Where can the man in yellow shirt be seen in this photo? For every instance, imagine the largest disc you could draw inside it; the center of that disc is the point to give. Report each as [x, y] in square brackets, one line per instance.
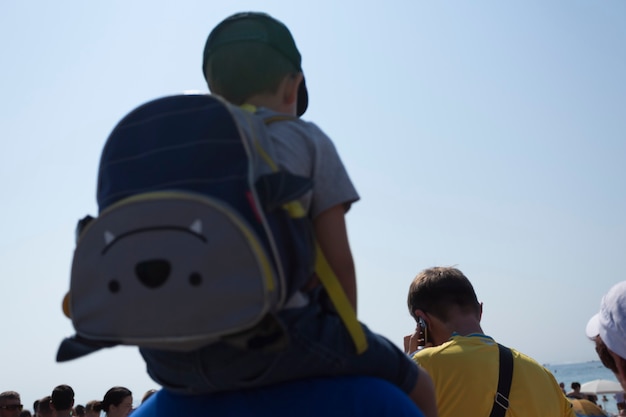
[464, 362]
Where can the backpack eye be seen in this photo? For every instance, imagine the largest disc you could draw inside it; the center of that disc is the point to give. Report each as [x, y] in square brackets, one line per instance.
[195, 279]
[114, 286]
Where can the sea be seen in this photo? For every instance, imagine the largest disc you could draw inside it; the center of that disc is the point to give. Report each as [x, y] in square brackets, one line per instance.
[583, 372]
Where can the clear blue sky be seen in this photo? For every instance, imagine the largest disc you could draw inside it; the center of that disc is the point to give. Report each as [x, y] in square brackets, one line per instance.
[488, 135]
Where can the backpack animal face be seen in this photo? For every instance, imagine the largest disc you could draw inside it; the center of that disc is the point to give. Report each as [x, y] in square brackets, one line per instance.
[197, 237]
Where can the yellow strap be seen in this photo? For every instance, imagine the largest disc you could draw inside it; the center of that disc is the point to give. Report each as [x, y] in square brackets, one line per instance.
[340, 300]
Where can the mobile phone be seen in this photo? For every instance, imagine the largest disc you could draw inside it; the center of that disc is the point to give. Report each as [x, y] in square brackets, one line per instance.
[423, 334]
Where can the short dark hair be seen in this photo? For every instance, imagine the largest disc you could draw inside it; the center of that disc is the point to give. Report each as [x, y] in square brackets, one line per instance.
[437, 290]
[44, 405]
[575, 385]
[148, 394]
[62, 397]
[10, 395]
[80, 410]
[91, 405]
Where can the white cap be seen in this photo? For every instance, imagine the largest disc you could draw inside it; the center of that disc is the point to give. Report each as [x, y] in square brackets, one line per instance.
[610, 322]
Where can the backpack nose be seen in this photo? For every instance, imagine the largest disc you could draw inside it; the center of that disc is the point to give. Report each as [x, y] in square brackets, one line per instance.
[153, 273]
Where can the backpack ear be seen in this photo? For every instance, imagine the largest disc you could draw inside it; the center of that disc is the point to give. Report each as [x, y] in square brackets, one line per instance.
[82, 225]
[65, 305]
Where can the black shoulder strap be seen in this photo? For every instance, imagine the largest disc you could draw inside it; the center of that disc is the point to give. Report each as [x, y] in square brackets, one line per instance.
[501, 402]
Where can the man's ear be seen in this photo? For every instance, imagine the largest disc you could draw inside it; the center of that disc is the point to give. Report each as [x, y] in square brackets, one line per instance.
[420, 313]
[620, 364]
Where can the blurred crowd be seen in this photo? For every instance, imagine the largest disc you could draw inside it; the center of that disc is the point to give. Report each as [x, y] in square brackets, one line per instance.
[117, 402]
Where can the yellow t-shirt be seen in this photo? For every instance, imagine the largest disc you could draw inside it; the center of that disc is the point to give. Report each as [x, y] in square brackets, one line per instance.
[465, 372]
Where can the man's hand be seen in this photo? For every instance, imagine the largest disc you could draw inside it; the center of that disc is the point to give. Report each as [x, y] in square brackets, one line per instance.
[416, 341]
[412, 341]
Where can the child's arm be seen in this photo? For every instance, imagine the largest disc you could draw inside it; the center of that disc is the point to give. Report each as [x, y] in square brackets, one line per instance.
[423, 394]
[332, 236]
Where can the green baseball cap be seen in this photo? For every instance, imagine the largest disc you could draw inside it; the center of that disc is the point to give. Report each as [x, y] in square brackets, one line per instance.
[258, 27]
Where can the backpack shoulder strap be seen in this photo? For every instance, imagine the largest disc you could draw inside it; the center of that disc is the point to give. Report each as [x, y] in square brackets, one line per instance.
[501, 401]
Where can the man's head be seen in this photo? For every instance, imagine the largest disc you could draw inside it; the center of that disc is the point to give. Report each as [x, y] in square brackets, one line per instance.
[147, 395]
[44, 409]
[10, 404]
[62, 398]
[440, 294]
[91, 409]
[79, 410]
[576, 386]
[440, 290]
[608, 330]
[251, 53]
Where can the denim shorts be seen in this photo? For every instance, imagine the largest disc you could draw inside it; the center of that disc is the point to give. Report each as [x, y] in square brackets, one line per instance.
[318, 346]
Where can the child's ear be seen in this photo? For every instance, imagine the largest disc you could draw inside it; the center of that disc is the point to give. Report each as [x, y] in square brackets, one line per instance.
[292, 82]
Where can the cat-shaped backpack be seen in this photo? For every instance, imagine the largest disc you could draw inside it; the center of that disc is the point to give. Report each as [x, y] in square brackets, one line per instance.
[199, 236]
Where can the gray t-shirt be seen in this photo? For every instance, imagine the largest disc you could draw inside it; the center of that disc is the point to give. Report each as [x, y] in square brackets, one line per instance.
[303, 149]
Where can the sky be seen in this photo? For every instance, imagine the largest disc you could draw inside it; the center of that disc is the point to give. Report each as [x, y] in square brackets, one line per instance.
[486, 135]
